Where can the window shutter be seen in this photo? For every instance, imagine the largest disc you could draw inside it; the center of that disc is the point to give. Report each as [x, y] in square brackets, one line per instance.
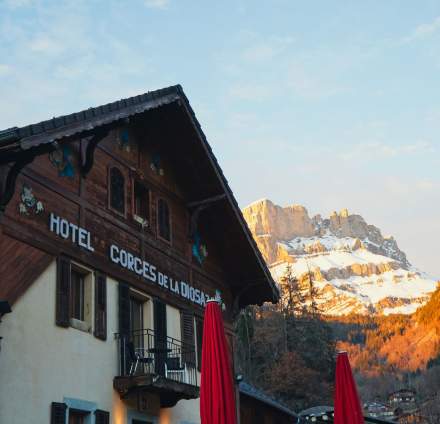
[160, 334]
[124, 325]
[100, 306]
[160, 320]
[58, 413]
[188, 341]
[63, 292]
[124, 309]
[102, 417]
[199, 324]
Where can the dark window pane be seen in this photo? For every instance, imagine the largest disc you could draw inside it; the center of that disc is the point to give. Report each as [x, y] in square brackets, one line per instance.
[117, 190]
[136, 322]
[77, 296]
[141, 201]
[163, 212]
[77, 417]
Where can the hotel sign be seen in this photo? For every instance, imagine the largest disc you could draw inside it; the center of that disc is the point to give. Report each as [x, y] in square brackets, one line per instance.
[143, 269]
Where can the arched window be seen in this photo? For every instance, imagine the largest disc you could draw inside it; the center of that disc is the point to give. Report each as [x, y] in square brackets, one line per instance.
[117, 190]
[163, 220]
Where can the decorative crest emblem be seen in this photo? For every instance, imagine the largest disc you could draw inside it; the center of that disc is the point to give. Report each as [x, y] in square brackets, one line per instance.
[199, 250]
[61, 159]
[29, 204]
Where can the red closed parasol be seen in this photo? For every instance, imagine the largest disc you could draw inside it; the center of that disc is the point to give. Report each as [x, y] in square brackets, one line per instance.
[347, 404]
[217, 400]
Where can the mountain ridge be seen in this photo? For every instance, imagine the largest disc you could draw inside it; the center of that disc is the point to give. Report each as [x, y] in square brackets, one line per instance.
[353, 266]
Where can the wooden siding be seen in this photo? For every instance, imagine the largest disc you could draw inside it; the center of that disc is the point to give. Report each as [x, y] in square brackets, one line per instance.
[83, 201]
[20, 265]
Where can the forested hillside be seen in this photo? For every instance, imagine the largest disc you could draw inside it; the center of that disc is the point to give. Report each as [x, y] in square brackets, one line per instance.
[289, 350]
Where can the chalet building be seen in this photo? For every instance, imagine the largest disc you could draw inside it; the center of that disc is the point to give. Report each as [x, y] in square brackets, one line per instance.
[116, 225]
[404, 398]
[378, 410]
[325, 414]
[258, 407]
[405, 407]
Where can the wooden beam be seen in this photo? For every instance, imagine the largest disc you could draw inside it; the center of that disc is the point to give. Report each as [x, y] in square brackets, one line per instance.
[8, 178]
[206, 201]
[88, 147]
[199, 206]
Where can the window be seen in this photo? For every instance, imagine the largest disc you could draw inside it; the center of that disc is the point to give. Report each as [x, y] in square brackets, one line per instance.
[137, 321]
[74, 297]
[77, 417]
[163, 219]
[77, 295]
[141, 203]
[117, 191]
[136, 314]
[80, 298]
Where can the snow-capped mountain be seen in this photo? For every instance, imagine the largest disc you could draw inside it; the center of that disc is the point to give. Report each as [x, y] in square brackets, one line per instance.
[353, 267]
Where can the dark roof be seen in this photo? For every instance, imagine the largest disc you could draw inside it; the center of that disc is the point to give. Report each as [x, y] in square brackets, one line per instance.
[15, 142]
[318, 411]
[253, 392]
[55, 129]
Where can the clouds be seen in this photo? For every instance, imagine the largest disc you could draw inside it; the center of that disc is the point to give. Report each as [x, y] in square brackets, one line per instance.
[5, 69]
[424, 30]
[61, 59]
[266, 50]
[14, 4]
[156, 4]
[312, 85]
[380, 150]
[404, 188]
[251, 92]
[319, 101]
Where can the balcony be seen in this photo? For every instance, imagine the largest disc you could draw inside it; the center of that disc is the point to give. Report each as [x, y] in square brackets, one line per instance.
[148, 364]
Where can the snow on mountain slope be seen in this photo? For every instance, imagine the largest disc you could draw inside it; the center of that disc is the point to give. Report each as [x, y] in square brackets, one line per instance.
[354, 269]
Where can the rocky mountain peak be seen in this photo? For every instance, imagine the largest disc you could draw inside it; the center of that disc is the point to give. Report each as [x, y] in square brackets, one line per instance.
[356, 267]
[283, 223]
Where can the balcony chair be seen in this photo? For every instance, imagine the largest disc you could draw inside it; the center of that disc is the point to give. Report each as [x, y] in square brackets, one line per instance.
[137, 356]
[174, 368]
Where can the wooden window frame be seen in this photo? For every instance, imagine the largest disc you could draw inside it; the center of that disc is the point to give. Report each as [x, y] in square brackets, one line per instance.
[109, 191]
[170, 215]
[133, 202]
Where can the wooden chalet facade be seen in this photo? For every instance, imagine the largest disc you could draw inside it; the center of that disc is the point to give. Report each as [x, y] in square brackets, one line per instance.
[116, 225]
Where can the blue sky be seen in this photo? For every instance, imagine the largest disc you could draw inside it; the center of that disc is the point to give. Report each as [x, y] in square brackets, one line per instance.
[327, 104]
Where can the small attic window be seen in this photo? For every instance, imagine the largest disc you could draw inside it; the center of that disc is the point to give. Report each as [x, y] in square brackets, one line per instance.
[117, 190]
[141, 200]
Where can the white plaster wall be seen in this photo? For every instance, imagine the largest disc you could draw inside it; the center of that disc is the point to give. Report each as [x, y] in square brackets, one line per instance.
[185, 412]
[41, 363]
